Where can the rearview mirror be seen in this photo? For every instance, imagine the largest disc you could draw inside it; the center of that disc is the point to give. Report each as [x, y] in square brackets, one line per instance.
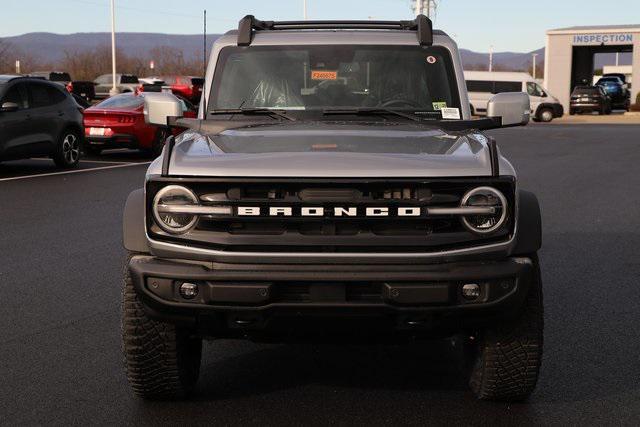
[159, 107]
[9, 107]
[509, 109]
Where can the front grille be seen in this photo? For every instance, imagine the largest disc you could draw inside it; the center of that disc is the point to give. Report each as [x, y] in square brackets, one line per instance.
[327, 232]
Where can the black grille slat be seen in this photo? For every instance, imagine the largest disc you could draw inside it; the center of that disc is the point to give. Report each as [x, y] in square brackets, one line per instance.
[329, 233]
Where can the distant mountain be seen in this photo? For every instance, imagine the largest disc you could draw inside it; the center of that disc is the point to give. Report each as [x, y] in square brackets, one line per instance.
[501, 60]
[49, 48]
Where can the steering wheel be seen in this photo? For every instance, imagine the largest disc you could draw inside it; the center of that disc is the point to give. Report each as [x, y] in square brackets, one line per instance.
[399, 103]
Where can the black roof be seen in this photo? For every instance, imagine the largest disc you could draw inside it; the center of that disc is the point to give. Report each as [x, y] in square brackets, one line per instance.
[4, 78]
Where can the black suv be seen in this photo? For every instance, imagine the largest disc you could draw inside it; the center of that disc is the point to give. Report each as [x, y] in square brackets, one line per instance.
[39, 118]
[589, 99]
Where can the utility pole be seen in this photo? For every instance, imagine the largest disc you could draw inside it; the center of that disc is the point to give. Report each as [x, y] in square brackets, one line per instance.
[304, 9]
[534, 65]
[423, 7]
[491, 58]
[113, 90]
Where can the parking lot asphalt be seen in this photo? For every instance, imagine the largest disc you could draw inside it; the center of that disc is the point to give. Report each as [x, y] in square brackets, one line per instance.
[60, 354]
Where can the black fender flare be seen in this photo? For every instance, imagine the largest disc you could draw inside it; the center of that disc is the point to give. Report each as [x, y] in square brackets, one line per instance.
[134, 237]
[529, 224]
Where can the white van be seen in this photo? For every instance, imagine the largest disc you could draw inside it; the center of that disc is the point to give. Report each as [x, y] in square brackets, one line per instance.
[482, 85]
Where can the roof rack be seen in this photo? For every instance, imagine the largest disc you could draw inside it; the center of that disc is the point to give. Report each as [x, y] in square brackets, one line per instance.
[422, 25]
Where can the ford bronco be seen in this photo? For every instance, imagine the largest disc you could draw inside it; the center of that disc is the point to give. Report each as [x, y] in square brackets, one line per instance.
[333, 186]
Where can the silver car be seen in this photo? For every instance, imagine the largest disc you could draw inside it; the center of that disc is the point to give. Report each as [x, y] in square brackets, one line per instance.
[334, 185]
[125, 83]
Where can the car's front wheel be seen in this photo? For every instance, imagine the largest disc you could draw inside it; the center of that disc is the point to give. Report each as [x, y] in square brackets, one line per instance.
[546, 115]
[508, 357]
[162, 360]
[66, 153]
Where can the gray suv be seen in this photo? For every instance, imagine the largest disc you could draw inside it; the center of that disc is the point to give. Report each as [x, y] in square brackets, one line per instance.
[333, 186]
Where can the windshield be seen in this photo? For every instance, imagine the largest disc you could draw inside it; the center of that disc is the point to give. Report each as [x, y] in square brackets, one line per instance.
[609, 80]
[307, 78]
[124, 101]
[586, 90]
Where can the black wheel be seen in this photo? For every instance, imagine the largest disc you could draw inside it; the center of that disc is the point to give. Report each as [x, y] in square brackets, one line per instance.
[66, 153]
[162, 361]
[545, 115]
[158, 142]
[572, 112]
[509, 356]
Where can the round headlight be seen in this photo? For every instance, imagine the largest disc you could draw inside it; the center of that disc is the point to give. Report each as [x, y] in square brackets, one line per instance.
[487, 197]
[171, 222]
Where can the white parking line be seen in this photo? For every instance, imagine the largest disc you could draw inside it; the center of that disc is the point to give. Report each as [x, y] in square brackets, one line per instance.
[14, 178]
[111, 162]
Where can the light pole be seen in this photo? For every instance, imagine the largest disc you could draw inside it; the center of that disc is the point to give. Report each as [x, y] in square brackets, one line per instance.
[491, 58]
[304, 9]
[534, 65]
[114, 90]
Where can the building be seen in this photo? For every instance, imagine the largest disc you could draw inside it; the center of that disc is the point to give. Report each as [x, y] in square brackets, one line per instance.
[570, 51]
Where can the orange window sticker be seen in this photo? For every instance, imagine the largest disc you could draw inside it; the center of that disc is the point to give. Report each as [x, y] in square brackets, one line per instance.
[324, 75]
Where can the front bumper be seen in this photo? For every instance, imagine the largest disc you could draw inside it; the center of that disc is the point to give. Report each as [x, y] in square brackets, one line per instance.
[289, 300]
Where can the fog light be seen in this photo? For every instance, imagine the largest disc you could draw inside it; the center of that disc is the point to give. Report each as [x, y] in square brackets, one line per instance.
[470, 291]
[188, 290]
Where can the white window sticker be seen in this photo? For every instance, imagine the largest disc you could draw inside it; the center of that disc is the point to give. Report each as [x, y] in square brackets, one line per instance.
[450, 113]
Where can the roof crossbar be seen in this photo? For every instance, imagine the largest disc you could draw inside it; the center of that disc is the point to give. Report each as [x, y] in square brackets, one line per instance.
[422, 25]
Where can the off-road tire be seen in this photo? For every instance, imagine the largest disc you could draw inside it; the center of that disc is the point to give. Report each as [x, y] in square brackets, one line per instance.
[162, 361]
[508, 357]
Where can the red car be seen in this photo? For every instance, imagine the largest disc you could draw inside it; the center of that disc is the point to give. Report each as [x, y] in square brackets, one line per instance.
[118, 122]
[188, 87]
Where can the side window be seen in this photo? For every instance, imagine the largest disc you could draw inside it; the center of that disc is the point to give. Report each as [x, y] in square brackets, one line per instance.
[479, 86]
[41, 95]
[501, 87]
[534, 89]
[104, 79]
[17, 94]
[55, 95]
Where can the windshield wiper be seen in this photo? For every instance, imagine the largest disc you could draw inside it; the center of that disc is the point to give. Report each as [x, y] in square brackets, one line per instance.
[370, 112]
[254, 111]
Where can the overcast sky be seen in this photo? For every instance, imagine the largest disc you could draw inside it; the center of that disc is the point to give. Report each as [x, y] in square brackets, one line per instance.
[508, 25]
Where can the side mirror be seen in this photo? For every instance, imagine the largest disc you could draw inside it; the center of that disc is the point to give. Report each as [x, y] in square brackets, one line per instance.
[159, 107]
[9, 107]
[509, 109]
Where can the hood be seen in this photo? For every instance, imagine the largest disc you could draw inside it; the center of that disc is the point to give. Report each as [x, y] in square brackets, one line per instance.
[340, 150]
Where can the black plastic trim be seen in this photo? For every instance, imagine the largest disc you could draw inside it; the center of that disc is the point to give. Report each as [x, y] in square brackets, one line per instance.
[166, 160]
[529, 233]
[134, 238]
[422, 25]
